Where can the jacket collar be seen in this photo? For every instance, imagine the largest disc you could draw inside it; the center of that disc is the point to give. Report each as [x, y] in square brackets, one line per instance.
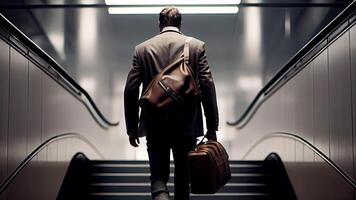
[170, 29]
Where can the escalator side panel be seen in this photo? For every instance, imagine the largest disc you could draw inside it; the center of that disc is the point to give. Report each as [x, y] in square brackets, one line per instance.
[321, 104]
[304, 109]
[4, 98]
[34, 108]
[17, 109]
[353, 70]
[340, 103]
[49, 106]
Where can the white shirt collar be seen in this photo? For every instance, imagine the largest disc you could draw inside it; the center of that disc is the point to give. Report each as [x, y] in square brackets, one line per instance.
[170, 28]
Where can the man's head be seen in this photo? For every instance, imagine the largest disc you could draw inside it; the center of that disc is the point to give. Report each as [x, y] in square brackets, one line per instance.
[170, 16]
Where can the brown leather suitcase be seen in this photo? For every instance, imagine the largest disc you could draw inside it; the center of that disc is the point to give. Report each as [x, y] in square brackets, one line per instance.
[209, 168]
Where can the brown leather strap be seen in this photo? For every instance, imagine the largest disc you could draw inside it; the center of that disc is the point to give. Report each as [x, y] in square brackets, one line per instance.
[186, 60]
[186, 49]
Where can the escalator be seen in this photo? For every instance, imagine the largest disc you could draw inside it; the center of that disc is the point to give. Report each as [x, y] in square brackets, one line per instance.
[129, 180]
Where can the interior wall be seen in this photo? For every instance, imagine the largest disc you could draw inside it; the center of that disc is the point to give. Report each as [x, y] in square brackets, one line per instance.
[34, 107]
[318, 104]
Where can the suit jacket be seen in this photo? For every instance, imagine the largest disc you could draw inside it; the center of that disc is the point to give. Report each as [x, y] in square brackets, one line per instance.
[150, 57]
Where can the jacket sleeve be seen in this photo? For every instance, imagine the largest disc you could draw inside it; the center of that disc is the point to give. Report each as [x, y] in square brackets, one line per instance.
[208, 94]
[131, 94]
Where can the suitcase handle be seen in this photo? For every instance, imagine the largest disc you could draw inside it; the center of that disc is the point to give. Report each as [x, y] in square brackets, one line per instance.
[199, 143]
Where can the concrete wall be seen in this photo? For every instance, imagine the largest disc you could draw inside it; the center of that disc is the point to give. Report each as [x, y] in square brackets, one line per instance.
[318, 103]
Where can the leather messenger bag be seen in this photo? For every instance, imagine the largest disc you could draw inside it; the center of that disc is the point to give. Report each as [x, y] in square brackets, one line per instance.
[209, 168]
[173, 87]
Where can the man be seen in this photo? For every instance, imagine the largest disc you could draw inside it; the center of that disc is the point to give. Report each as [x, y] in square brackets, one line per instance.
[162, 134]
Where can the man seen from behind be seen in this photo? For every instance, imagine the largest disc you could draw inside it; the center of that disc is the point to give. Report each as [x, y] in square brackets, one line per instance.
[164, 134]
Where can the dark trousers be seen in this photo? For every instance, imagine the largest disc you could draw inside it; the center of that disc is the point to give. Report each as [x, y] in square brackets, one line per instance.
[158, 147]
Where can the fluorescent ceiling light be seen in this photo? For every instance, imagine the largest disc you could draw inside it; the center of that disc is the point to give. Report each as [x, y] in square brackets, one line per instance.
[172, 2]
[183, 10]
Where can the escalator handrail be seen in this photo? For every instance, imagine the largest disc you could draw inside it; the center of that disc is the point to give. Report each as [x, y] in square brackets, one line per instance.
[303, 141]
[35, 152]
[20, 36]
[324, 33]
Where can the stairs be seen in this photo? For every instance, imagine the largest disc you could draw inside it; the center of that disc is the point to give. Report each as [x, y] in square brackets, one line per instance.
[129, 180]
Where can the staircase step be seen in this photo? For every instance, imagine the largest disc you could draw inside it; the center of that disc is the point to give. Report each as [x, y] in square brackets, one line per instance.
[254, 169]
[144, 168]
[121, 168]
[129, 180]
[256, 162]
[144, 178]
[147, 196]
[145, 187]
[119, 162]
[247, 162]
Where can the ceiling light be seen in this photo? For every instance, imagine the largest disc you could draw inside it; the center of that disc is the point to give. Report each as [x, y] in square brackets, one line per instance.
[172, 2]
[183, 10]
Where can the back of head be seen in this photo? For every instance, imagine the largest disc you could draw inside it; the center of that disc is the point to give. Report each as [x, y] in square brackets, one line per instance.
[170, 16]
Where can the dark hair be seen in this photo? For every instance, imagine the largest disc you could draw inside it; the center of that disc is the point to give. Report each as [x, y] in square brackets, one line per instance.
[170, 16]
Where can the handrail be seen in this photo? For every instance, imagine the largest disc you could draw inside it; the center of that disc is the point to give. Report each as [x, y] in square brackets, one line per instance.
[29, 157]
[303, 141]
[324, 33]
[82, 93]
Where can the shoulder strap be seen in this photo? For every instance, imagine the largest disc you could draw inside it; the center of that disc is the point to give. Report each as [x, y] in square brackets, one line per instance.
[186, 56]
[186, 48]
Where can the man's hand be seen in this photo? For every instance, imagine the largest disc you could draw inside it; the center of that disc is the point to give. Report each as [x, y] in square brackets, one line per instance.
[211, 135]
[134, 141]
